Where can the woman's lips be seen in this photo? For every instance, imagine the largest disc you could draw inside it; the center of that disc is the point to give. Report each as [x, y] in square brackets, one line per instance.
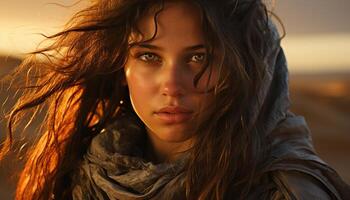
[174, 115]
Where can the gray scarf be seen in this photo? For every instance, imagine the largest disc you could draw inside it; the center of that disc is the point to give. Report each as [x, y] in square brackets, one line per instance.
[114, 168]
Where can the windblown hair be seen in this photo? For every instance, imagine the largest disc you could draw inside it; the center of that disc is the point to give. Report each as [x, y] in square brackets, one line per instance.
[79, 78]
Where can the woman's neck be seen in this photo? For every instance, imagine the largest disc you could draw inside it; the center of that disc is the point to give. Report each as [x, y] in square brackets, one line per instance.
[159, 151]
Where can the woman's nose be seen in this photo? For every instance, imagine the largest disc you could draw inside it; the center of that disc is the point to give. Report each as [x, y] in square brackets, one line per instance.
[173, 80]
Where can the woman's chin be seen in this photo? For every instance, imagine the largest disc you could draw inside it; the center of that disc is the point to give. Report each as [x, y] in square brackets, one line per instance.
[173, 134]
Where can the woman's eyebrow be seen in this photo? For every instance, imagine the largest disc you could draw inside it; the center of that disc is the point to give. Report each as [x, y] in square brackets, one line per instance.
[155, 47]
[195, 47]
[149, 46]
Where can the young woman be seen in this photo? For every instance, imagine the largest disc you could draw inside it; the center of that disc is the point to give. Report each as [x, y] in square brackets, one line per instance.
[168, 100]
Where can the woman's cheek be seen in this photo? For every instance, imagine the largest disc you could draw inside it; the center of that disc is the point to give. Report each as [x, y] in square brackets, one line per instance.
[207, 81]
[140, 79]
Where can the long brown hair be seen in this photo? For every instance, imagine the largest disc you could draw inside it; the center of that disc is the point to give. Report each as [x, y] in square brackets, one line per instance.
[79, 76]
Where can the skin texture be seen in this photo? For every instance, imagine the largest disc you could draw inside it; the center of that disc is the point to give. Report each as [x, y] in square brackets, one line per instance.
[159, 74]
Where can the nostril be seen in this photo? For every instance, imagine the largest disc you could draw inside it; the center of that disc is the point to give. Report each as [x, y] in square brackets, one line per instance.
[174, 90]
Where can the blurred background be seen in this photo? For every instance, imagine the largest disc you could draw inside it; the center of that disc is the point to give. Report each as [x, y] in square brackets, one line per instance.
[317, 46]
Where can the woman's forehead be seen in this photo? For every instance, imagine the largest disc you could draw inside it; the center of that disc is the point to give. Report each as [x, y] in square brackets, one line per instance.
[182, 18]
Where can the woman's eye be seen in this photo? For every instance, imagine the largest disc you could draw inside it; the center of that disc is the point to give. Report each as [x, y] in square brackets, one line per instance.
[149, 57]
[197, 58]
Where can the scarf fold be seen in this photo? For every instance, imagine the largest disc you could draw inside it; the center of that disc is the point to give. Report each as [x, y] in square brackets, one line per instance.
[114, 168]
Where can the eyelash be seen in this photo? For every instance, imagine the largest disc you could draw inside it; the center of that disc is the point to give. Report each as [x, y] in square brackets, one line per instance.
[156, 58]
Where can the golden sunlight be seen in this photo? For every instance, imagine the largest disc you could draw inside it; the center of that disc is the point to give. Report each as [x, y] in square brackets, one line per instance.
[317, 53]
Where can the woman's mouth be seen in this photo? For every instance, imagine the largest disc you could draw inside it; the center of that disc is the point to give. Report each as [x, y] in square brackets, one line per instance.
[174, 114]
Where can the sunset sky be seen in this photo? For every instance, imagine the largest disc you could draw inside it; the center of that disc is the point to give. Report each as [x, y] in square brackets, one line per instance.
[318, 31]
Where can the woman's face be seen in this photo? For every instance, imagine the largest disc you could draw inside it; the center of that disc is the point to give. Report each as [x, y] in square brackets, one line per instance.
[160, 72]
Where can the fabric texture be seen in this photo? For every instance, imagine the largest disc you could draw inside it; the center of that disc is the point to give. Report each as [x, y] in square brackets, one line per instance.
[114, 166]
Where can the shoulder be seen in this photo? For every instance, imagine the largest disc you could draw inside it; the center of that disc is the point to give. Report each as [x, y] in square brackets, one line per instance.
[298, 185]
